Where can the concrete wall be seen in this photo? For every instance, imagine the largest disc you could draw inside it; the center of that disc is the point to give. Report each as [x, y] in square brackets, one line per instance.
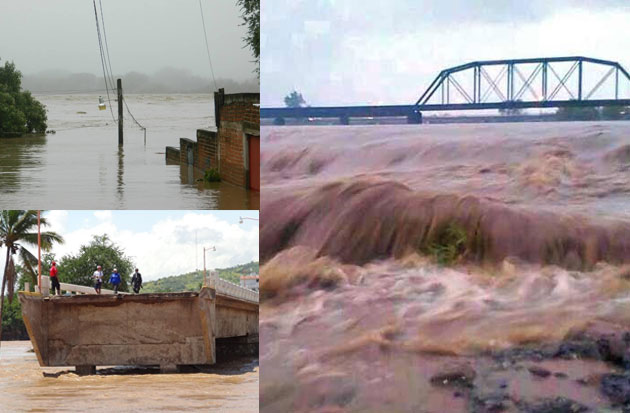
[165, 329]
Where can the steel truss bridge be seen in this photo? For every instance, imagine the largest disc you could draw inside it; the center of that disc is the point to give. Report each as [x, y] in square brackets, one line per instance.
[551, 82]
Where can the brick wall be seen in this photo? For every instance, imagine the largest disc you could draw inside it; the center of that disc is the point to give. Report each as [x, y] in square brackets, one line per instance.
[237, 116]
[232, 166]
[207, 150]
[172, 155]
[186, 148]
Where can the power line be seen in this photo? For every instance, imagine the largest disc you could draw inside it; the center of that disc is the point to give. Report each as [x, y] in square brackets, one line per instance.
[100, 44]
[106, 62]
[205, 37]
[111, 72]
[131, 114]
[134, 119]
[66, 92]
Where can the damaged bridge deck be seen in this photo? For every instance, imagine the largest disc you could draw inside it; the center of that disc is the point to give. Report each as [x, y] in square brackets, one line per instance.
[165, 329]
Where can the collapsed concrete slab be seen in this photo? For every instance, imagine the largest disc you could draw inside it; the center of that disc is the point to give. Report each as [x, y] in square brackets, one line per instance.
[165, 329]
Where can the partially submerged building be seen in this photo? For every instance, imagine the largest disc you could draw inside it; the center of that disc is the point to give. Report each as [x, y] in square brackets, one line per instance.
[232, 152]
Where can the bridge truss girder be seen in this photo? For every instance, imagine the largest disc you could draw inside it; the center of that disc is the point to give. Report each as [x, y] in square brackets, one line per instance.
[510, 94]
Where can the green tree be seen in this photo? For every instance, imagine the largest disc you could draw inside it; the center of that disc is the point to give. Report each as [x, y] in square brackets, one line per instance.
[511, 111]
[18, 228]
[19, 111]
[78, 269]
[10, 78]
[294, 100]
[251, 19]
[12, 323]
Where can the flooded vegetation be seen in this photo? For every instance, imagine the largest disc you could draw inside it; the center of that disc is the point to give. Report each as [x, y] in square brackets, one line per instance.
[446, 268]
[82, 167]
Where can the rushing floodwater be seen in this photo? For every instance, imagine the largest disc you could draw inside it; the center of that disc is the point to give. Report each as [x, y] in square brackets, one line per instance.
[534, 314]
[82, 167]
[26, 387]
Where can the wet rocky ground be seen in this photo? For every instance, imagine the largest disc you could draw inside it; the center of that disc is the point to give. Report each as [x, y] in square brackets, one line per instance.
[587, 372]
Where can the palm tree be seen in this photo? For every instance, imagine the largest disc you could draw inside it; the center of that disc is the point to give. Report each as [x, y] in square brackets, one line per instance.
[17, 228]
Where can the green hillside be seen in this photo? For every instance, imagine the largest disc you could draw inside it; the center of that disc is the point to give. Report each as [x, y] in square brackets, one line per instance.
[192, 281]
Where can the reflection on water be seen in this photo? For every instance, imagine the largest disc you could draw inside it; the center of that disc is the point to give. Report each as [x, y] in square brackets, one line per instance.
[121, 172]
[14, 153]
[26, 387]
[227, 196]
[81, 165]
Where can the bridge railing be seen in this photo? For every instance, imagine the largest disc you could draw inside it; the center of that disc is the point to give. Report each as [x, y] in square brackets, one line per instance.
[236, 291]
[222, 287]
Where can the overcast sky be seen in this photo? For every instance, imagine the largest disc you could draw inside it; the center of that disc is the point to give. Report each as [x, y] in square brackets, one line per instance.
[143, 36]
[387, 52]
[162, 243]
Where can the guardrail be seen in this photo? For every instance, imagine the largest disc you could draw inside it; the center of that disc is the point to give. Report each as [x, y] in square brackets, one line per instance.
[221, 286]
[236, 291]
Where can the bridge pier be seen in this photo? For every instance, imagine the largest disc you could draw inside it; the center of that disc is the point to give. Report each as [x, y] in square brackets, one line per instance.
[85, 370]
[169, 368]
[414, 118]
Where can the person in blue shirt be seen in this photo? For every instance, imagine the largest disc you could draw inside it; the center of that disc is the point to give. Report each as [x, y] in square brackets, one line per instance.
[114, 279]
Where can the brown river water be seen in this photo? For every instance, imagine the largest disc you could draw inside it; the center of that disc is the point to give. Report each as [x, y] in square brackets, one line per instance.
[532, 314]
[26, 387]
[81, 166]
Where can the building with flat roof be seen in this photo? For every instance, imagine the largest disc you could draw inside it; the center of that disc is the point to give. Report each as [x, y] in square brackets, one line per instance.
[250, 281]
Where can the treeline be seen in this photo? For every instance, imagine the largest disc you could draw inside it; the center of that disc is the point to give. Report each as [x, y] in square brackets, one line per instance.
[20, 113]
[193, 281]
[12, 325]
[166, 80]
[593, 113]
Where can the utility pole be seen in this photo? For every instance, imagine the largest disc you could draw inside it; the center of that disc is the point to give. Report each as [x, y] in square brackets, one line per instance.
[39, 252]
[120, 112]
[205, 271]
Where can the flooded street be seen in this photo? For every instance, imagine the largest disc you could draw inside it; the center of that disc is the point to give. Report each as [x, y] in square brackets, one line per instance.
[459, 268]
[26, 387]
[82, 167]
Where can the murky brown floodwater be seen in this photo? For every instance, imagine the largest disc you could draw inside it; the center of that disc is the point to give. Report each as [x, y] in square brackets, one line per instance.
[82, 167]
[533, 317]
[26, 387]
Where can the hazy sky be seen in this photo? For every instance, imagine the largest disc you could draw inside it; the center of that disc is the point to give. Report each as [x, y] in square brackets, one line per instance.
[387, 52]
[143, 36]
[162, 243]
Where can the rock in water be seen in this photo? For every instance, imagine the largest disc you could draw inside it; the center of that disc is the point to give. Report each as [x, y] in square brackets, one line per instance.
[454, 374]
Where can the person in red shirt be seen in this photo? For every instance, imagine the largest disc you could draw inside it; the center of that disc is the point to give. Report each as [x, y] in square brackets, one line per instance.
[54, 279]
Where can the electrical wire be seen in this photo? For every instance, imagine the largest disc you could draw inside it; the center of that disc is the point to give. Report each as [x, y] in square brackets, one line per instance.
[100, 44]
[66, 92]
[205, 37]
[111, 72]
[106, 62]
[131, 114]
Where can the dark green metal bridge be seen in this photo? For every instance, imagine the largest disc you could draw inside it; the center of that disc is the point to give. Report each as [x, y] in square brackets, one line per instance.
[551, 82]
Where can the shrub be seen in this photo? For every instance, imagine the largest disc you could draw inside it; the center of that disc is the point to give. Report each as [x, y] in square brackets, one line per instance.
[212, 175]
[447, 244]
